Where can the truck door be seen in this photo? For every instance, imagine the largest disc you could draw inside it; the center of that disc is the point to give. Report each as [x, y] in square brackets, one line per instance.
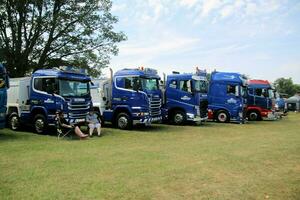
[43, 95]
[129, 92]
[261, 97]
[233, 99]
[185, 95]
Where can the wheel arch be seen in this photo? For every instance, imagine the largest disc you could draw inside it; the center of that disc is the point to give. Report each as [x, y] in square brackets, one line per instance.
[173, 109]
[119, 110]
[38, 110]
[221, 109]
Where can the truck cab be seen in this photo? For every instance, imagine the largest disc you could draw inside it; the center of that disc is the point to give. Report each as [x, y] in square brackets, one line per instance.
[227, 97]
[261, 100]
[34, 100]
[129, 97]
[185, 98]
[4, 85]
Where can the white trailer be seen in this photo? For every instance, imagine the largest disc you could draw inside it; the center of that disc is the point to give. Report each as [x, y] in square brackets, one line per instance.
[101, 95]
[17, 100]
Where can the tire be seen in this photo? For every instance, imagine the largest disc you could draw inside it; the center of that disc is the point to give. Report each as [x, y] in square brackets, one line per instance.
[14, 121]
[40, 123]
[178, 117]
[124, 121]
[253, 115]
[222, 116]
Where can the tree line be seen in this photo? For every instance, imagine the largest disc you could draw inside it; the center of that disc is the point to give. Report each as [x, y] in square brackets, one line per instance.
[38, 34]
[286, 86]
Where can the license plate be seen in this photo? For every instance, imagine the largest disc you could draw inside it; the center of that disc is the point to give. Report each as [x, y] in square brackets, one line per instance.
[79, 120]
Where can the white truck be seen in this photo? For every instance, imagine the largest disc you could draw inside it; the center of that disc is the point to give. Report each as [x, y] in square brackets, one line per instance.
[17, 100]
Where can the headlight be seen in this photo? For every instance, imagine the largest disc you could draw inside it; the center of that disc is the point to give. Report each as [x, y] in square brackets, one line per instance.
[276, 106]
[142, 114]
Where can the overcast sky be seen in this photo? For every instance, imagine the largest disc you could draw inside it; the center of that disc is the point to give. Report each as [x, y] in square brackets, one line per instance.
[257, 38]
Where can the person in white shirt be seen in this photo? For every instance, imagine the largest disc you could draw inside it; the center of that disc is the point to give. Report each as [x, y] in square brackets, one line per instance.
[93, 122]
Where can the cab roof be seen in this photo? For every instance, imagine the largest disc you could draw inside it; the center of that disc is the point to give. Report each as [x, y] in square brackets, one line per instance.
[184, 76]
[146, 72]
[55, 72]
[231, 77]
[256, 83]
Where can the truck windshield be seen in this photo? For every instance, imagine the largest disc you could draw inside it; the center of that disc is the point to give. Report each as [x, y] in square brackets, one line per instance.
[70, 88]
[271, 93]
[201, 86]
[150, 83]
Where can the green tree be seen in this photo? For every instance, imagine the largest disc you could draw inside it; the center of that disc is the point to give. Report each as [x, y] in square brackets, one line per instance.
[47, 33]
[286, 85]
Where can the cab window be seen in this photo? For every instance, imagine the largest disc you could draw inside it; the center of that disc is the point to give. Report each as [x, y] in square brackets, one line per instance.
[231, 89]
[185, 86]
[45, 85]
[132, 83]
[260, 92]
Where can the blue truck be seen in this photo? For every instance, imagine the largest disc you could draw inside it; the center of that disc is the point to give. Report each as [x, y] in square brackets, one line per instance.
[280, 104]
[4, 85]
[185, 97]
[128, 97]
[227, 97]
[34, 100]
[261, 101]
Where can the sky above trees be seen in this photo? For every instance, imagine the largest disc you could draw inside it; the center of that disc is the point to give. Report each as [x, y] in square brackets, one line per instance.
[258, 38]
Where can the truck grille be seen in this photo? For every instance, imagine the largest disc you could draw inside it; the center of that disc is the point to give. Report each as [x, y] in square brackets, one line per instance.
[203, 108]
[155, 106]
[78, 110]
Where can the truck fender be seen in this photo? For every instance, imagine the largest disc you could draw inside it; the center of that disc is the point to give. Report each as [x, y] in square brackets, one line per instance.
[38, 110]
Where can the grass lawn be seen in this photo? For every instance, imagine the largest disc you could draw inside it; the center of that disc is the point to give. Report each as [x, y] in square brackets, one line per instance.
[258, 160]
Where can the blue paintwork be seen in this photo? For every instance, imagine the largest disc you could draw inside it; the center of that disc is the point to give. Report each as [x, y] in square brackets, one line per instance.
[262, 102]
[134, 102]
[193, 104]
[48, 104]
[219, 99]
[3, 95]
[281, 104]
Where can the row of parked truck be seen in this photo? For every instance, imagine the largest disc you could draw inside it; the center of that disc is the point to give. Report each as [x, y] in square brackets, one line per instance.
[137, 96]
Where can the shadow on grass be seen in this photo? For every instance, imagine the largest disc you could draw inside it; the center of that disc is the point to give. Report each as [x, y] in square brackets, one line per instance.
[7, 134]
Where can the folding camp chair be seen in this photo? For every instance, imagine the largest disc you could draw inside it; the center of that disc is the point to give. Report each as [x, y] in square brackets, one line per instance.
[59, 130]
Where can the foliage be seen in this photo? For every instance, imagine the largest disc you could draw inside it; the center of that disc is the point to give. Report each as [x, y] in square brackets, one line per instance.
[48, 33]
[286, 86]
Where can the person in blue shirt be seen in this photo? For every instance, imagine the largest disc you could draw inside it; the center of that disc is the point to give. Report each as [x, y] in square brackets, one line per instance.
[93, 122]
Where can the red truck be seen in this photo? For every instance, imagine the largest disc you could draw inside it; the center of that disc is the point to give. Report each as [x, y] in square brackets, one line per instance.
[261, 100]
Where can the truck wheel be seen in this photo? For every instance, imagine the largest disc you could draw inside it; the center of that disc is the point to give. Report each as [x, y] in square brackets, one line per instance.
[178, 117]
[14, 121]
[124, 121]
[253, 116]
[40, 123]
[222, 116]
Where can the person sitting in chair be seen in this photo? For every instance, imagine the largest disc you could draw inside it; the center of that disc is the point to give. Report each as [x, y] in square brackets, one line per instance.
[93, 122]
[65, 126]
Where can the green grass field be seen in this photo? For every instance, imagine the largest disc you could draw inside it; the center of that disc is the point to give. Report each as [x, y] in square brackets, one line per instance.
[258, 160]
